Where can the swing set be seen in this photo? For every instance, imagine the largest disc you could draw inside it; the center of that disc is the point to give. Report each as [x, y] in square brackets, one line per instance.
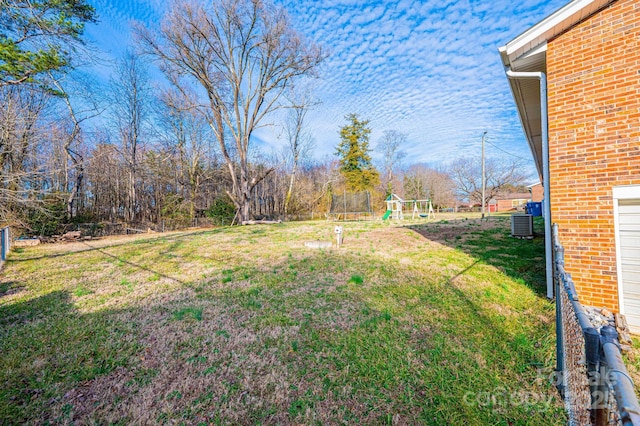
[396, 208]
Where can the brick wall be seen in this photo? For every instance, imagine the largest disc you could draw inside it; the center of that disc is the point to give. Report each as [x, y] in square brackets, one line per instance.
[537, 192]
[594, 140]
[506, 205]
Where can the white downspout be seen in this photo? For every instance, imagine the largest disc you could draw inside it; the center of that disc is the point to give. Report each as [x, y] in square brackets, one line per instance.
[514, 75]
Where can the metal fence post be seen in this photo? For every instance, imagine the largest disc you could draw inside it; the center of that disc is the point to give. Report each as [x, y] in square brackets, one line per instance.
[5, 242]
[3, 248]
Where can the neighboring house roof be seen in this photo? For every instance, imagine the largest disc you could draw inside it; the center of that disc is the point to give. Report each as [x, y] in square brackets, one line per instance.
[514, 196]
[528, 52]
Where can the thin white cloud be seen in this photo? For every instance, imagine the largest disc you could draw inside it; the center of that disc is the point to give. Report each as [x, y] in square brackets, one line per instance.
[429, 69]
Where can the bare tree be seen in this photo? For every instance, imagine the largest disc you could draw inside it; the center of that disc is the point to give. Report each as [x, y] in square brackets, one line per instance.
[242, 54]
[130, 104]
[300, 142]
[500, 173]
[421, 181]
[104, 180]
[316, 181]
[23, 111]
[72, 140]
[185, 136]
[390, 146]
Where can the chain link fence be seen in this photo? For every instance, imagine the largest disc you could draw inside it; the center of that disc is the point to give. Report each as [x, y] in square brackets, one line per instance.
[575, 383]
[593, 379]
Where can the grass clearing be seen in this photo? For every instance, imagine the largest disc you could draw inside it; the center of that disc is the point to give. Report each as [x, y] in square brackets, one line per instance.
[431, 323]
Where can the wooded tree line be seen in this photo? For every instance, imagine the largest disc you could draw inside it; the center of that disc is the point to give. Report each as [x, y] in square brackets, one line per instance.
[75, 150]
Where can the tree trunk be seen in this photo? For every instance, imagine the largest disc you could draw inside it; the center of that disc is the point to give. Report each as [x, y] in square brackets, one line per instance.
[287, 199]
[76, 185]
[131, 202]
[245, 200]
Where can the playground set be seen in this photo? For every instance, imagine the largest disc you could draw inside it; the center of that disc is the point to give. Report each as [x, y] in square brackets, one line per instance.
[396, 208]
[357, 206]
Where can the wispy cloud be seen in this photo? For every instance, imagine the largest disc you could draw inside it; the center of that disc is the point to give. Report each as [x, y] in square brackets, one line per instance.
[429, 68]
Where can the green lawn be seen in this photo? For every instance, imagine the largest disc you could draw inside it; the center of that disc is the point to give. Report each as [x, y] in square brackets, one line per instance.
[433, 323]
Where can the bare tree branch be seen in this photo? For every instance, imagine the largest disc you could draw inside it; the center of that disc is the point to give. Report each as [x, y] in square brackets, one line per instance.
[242, 54]
[500, 173]
[390, 146]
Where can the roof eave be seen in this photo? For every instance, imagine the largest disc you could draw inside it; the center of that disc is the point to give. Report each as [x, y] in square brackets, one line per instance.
[551, 26]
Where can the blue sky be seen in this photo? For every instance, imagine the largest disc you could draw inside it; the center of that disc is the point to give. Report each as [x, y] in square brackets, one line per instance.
[429, 69]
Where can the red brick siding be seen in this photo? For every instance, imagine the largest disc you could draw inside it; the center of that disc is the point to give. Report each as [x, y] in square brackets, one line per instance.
[504, 205]
[537, 192]
[594, 140]
[507, 205]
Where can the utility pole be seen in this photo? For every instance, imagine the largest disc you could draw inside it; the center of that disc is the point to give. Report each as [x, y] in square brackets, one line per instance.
[483, 178]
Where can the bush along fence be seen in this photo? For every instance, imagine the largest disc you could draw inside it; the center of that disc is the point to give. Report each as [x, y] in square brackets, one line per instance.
[591, 375]
[5, 244]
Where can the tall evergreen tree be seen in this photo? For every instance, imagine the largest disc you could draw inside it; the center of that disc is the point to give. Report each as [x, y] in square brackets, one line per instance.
[353, 152]
[37, 37]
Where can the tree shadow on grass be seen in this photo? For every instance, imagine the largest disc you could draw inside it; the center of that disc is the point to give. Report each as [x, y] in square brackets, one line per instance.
[175, 238]
[488, 321]
[90, 247]
[365, 351]
[46, 345]
[490, 242]
[139, 266]
[18, 314]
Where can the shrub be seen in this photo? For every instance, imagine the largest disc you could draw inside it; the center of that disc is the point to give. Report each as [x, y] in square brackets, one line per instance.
[221, 211]
[45, 219]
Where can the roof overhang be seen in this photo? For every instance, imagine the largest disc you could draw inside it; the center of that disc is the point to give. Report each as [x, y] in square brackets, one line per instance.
[528, 53]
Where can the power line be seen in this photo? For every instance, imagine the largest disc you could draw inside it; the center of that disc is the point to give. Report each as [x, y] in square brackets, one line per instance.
[506, 152]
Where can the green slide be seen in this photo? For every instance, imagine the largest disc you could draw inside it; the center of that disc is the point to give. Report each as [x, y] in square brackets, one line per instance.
[386, 215]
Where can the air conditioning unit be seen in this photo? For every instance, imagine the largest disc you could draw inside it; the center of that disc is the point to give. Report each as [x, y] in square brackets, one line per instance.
[522, 225]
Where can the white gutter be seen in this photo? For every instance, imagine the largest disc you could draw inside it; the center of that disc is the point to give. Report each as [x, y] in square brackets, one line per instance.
[548, 251]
